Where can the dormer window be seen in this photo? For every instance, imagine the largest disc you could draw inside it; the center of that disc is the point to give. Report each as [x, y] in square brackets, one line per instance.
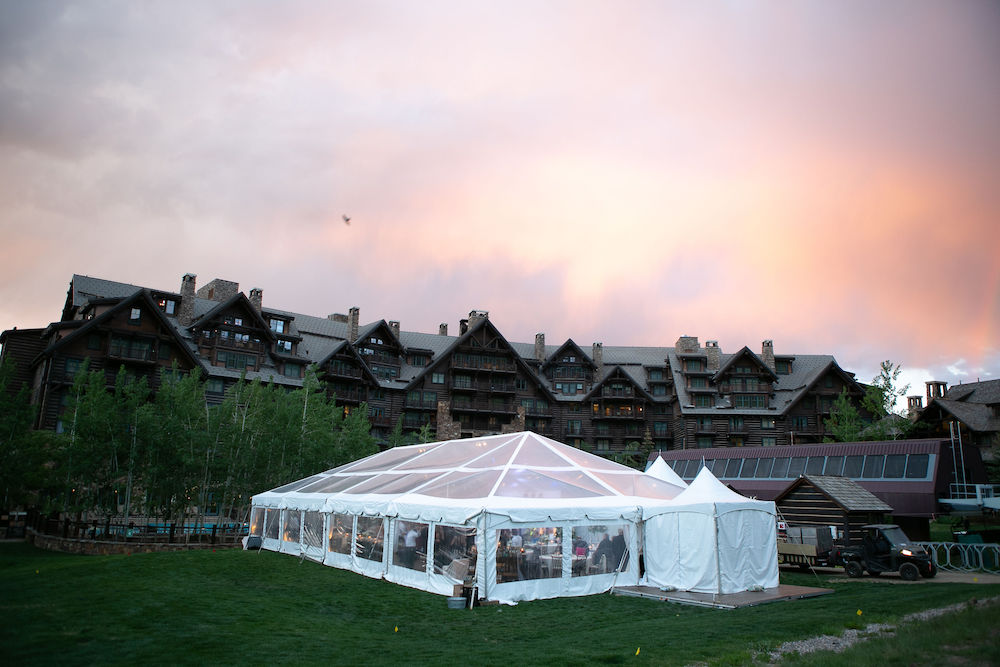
[168, 306]
[375, 341]
[284, 346]
[135, 315]
[277, 326]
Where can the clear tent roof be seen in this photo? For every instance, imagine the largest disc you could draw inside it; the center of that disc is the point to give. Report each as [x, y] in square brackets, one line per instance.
[517, 465]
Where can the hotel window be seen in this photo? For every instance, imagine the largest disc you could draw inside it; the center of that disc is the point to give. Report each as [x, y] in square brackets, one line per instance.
[736, 423]
[293, 371]
[277, 326]
[767, 422]
[698, 383]
[72, 367]
[167, 305]
[916, 466]
[694, 365]
[520, 383]
[659, 429]
[437, 378]
[873, 466]
[895, 464]
[703, 401]
[573, 426]
[782, 366]
[704, 441]
[284, 346]
[800, 423]
[214, 386]
[704, 423]
[768, 441]
[655, 374]
[780, 468]
[135, 315]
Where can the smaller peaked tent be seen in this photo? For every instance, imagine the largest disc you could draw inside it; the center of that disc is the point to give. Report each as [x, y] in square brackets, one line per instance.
[663, 472]
[712, 540]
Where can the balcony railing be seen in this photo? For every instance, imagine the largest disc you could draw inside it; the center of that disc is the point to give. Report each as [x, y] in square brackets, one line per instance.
[480, 364]
[343, 371]
[422, 403]
[483, 406]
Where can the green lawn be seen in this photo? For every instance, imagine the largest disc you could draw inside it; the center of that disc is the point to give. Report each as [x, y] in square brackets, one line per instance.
[230, 606]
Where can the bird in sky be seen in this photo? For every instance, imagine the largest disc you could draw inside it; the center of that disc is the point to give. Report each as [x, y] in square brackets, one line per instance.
[347, 220]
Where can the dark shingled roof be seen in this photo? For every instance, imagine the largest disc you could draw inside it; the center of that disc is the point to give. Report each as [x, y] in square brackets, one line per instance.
[851, 496]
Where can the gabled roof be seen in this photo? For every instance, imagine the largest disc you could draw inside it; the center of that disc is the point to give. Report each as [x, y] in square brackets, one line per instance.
[830, 366]
[571, 346]
[977, 416]
[847, 494]
[745, 352]
[238, 300]
[342, 347]
[142, 295]
[987, 392]
[617, 373]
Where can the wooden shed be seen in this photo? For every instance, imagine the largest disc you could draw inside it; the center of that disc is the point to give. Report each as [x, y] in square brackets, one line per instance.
[822, 500]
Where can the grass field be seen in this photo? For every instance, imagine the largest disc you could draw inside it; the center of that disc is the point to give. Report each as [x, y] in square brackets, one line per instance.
[236, 607]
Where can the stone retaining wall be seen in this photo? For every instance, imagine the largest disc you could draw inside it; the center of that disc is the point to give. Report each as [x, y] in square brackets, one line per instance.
[106, 548]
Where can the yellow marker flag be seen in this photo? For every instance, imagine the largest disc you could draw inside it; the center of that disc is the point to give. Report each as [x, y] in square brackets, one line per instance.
[637, 651]
[859, 612]
[396, 629]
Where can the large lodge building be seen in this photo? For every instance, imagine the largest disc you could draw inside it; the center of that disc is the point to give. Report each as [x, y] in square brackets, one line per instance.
[607, 399]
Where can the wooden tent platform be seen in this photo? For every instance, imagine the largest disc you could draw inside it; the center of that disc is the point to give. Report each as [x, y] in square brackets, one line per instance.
[723, 600]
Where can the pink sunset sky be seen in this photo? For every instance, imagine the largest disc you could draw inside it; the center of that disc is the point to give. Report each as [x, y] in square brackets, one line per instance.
[823, 174]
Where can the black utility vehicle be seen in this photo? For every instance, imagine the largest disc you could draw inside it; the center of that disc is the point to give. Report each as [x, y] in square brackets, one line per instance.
[886, 548]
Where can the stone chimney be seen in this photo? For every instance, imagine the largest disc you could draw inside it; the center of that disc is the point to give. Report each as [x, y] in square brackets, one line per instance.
[914, 404]
[352, 324]
[476, 316]
[714, 354]
[394, 327]
[185, 314]
[337, 317]
[597, 355]
[540, 346]
[257, 298]
[767, 354]
[935, 389]
[463, 326]
[219, 290]
[687, 344]
[443, 329]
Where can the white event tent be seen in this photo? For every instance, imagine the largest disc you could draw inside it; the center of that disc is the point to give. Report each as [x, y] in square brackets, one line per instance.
[517, 516]
[712, 540]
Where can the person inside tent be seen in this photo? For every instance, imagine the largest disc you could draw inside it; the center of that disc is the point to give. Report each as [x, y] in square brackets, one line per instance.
[618, 551]
[605, 551]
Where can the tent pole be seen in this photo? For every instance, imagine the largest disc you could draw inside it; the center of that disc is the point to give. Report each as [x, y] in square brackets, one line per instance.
[718, 566]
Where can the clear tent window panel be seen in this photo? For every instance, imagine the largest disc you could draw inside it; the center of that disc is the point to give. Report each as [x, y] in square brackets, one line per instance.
[272, 521]
[527, 553]
[589, 461]
[295, 486]
[312, 530]
[370, 542]
[630, 484]
[521, 483]
[389, 459]
[293, 526]
[495, 457]
[541, 457]
[335, 484]
[592, 549]
[394, 483]
[463, 485]
[410, 545]
[455, 552]
[452, 454]
[257, 521]
[341, 530]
